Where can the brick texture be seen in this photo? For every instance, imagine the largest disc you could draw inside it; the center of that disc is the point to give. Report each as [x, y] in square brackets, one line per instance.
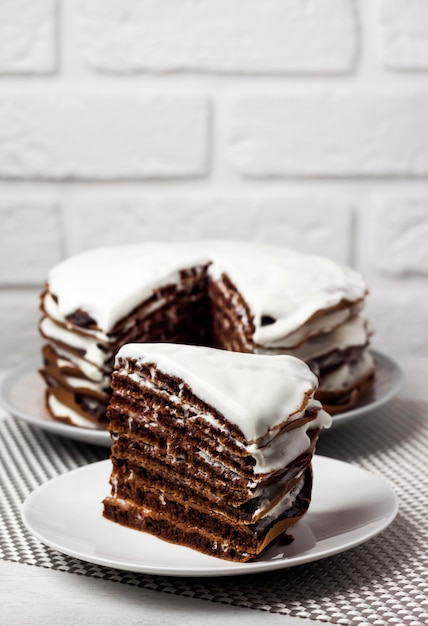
[27, 36]
[317, 225]
[401, 236]
[397, 330]
[19, 316]
[404, 34]
[246, 36]
[391, 252]
[29, 242]
[61, 136]
[340, 133]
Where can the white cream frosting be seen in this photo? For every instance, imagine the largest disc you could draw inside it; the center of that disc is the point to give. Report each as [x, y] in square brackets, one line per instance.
[257, 393]
[108, 283]
[353, 333]
[288, 286]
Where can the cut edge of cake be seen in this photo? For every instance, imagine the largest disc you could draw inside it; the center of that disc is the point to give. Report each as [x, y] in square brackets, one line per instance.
[211, 449]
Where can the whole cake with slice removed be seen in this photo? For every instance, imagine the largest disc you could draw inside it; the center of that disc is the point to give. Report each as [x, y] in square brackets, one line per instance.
[211, 449]
[236, 296]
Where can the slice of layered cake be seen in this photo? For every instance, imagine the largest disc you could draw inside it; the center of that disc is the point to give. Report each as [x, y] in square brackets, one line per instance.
[236, 296]
[211, 449]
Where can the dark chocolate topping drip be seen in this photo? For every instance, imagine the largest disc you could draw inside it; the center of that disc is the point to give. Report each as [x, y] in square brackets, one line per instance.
[267, 320]
[81, 318]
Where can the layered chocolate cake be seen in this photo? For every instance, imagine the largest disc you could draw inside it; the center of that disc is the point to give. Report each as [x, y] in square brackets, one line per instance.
[211, 449]
[236, 296]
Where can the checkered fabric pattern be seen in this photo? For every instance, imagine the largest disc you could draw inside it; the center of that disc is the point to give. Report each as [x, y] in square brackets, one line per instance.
[381, 583]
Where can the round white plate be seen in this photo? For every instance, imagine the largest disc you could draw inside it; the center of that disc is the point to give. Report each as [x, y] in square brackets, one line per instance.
[349, 506]
[22, 394]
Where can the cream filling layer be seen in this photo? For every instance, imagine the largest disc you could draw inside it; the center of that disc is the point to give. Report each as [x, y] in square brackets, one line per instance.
[61, 410]
[90, 371]
[93, 353]
[346, 375]
[285, 503]
[83, 383]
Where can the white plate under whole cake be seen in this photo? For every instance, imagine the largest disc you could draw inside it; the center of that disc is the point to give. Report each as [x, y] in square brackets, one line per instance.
[22, 394]
[349, 506]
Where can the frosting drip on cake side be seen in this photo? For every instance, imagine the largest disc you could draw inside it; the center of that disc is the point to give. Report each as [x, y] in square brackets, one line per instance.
[284, 286]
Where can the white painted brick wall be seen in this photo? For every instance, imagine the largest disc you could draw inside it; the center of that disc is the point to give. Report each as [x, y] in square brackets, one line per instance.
[309, 222]
[392, 251]
[27, 36]
[246, 36]
[64, 135]
[303, 123]
[400, 235]
[29, 242]
[19, 319]
[339, 132]
[404, 34]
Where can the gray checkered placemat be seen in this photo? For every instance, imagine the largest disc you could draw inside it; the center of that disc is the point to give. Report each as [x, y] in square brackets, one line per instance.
[383, 582]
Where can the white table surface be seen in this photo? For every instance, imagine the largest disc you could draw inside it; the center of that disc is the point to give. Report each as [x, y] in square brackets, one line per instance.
[36, 596]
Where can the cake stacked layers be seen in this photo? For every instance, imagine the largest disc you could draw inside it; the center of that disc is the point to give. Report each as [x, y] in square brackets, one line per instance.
[211, 449]
[231, 295]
